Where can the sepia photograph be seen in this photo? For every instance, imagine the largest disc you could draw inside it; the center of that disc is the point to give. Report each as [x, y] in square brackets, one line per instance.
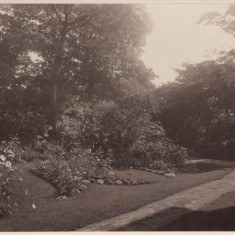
[117, 116]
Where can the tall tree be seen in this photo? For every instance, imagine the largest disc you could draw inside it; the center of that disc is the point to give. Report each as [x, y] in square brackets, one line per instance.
[71, 37]
[202, 107]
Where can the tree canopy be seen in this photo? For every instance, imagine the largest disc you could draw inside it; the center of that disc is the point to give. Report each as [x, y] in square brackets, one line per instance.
[79, 47]
[201, 103]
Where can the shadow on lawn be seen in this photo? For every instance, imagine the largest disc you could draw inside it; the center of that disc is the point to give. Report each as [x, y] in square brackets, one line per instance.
[181, 219]
[216, 220]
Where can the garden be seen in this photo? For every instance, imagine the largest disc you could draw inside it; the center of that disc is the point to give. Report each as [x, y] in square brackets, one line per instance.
[83, 129]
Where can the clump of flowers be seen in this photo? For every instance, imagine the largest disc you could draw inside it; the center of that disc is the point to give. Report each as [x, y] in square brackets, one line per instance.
[72, 172]
[10, 152]
[11, 149]
[58, 173]
[5, 186]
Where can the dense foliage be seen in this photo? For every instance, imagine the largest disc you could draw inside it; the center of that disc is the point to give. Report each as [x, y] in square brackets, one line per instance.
[73, 174]
[76, 94]
[77, 46]
[6, 154]
[202, 100]
[202, 104]
[124, 136]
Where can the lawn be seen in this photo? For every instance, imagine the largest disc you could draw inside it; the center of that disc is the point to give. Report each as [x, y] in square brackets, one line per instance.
[97, 203]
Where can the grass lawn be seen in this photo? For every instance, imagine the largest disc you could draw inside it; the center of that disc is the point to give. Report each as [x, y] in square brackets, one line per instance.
[97, 203]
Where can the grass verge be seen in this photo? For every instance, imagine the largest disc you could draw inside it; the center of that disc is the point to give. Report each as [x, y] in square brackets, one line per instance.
[97, 203]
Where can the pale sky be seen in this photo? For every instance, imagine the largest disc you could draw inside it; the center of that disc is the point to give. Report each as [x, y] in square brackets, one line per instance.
[176, 37]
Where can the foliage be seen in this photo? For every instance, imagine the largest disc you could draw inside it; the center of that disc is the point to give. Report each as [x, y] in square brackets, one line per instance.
[125, 137]
[202, 104]
[11, 150]
[75, 92]
[5, 181]
[72, 173]
[58, 173]
[151, 148]
[67, 170]
[75, 45]
[224, 20]
[5, 191]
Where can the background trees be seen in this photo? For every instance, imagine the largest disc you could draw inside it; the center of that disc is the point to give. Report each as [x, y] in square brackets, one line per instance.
[198, 109]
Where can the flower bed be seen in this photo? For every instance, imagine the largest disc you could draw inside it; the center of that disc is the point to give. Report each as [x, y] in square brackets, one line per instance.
[74, 175]
[5, 186]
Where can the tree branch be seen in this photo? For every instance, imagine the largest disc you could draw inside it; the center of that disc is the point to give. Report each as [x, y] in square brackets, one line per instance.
[70, 10]
[80, 24]
[57, 14]
[84, 19]
[66, 14]
[79, 19]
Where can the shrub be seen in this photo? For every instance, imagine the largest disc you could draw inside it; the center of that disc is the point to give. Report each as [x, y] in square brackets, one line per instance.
[67, 170]
[71, 174]
[5, 186]
[154, 150]
[151, 148]
[29, 155]
[43, 150]
[11, 150]
[59, 174]
[126, 137]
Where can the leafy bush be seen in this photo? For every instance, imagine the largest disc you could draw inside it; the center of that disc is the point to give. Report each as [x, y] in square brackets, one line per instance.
[42, 149]
[81, 167]
[67, 173]
[9, 153]
[11, 150]
[5, 186]
[151, 147]
[124, 137]
[29, 155]
[59, 174]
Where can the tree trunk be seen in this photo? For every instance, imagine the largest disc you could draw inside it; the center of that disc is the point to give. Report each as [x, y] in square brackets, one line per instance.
[54, 79]
[54, 110]
[56, 72]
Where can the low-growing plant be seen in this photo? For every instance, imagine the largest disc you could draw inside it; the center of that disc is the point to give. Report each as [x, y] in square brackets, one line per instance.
[5, 186]
[66, 170]
[58, 173]
[71, 175]
[11, 150]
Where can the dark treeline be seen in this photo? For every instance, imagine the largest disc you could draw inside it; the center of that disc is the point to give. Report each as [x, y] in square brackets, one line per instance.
[198, 110]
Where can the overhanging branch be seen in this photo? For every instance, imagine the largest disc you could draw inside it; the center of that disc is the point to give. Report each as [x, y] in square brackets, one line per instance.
[57, 14]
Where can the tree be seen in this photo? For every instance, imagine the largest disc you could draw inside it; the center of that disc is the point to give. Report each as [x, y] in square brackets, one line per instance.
[223, 20]
[69, 38]
[201, 102]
